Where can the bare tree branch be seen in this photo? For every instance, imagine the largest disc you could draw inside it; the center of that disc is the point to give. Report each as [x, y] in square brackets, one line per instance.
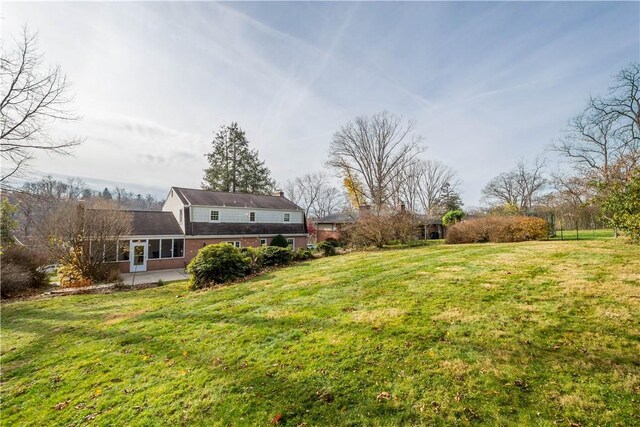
[32, 98]
[374, 150]
[520, 187]
[314, 193]
[603, 142]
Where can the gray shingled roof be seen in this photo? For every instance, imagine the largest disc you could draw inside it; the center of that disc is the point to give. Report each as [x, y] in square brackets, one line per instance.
[191, 196]
[154, 223]
[338, 218]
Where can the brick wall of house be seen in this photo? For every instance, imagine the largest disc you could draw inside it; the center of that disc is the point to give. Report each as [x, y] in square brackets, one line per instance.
[191, 248]
[323, 235]
[156, 264]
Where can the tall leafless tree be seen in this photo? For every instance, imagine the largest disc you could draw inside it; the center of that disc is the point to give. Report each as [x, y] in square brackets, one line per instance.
[374, 150]
[520, 187]
[422, 184]
[32, 97]
[603, 142]
[315, 194]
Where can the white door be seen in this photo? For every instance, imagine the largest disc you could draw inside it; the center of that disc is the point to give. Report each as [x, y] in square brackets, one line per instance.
[138, 256]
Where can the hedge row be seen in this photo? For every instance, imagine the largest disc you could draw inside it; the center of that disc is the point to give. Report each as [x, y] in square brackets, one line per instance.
[221, 263]
[498, 229]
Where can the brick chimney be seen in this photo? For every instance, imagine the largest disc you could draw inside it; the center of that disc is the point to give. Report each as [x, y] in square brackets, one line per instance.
[278, 193]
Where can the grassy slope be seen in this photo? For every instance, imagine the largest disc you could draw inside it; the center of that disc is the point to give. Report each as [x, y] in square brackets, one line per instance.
[533, 333]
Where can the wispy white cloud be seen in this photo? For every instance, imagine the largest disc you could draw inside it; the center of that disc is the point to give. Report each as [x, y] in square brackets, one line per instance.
[487, 83]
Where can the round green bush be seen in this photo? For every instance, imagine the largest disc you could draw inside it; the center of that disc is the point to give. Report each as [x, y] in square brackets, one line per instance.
[254, 258]
[302, 254]
[279, 241]
[333, 242]
[274, 255]
[326, 248]
[217, 264]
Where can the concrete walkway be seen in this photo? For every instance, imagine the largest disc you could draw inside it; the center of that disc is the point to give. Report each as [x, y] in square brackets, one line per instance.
[154, 276]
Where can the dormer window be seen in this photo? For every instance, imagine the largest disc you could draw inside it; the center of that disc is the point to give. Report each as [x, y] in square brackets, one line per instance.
[215, 216]
[252, 217]
[287, 217]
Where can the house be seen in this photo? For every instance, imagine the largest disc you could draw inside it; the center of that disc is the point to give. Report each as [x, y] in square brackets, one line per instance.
[329, 227]
[191, 219]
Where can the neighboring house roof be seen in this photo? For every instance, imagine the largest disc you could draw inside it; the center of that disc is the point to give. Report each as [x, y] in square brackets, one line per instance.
[154, 223]
[338, 218]
[194, 197]
[210, 229]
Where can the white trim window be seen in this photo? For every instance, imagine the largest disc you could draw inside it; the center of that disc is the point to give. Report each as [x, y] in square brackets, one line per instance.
[263, 242]
[214, 216]
[291, 242]
[165, 248]
[234, 243]
[286, 217]
[252, 217]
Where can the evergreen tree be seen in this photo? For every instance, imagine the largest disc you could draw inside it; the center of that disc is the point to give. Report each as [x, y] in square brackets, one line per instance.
[450, 199]
[106, 194]
[233, 166]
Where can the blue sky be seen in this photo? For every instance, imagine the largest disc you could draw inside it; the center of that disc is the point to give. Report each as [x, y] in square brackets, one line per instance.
[486, 83]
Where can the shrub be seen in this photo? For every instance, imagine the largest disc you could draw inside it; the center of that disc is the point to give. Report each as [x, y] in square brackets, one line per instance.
[274, 255]
[498, 229]
[380, 228]
[621, 201]
[254, 257]
[301, 254]
[453, 217]
[215, 264]
[71, 276]
[19, 271]
[279, 241]
[326, 248]
[333, 242]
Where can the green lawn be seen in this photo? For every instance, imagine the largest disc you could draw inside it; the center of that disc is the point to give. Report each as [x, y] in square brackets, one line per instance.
[542, 333]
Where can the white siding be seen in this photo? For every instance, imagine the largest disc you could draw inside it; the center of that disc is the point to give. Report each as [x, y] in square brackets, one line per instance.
[174, 205]
[241, 215]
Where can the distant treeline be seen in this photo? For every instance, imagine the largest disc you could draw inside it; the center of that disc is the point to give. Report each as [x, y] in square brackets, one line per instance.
[74, 189]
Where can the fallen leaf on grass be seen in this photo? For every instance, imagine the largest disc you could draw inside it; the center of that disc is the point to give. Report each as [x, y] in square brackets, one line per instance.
[97, 393]
[383, 396]
[91, 416]
[62, 405]
[276, 420]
